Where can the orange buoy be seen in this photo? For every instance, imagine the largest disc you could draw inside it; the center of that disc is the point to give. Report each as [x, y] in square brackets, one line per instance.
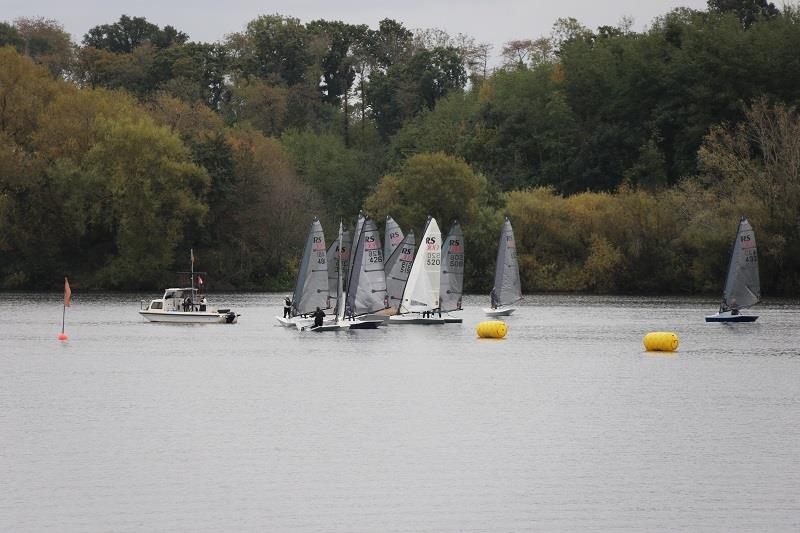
[62, 337]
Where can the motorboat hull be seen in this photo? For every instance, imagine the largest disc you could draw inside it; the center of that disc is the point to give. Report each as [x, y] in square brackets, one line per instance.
[499, 311]
[728, 317]
[190, 317]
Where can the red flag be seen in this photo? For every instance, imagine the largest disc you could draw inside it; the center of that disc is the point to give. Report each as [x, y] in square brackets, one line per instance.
[67, 292]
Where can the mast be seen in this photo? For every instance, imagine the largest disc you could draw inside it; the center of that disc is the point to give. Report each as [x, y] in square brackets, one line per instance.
[403, 294]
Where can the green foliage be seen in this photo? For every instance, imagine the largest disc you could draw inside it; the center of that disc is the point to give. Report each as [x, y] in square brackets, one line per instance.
[129, 33]
[341, 176]
[438, 185]
[624, 158]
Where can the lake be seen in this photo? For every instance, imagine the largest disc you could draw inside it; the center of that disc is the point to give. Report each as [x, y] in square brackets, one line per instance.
[565, 425]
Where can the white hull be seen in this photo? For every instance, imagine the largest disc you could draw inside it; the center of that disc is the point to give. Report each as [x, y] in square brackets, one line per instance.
[414, 319]
[343, 325]
[188, 317]
[294, 321]
[500, 311]
[301, 322]
[727, 316]
[450, 319]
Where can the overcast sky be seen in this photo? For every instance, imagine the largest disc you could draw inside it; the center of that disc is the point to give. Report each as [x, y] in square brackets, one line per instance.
[493, 21]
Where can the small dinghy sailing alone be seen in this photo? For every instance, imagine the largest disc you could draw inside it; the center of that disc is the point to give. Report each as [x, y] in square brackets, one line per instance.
[186, 305]
[742, 286]
[507, 287]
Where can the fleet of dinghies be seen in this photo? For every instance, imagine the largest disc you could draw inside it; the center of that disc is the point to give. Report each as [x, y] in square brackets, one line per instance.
[366, 283]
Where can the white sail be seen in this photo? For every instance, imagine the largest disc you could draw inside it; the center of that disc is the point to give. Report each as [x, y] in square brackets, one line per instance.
[311, 290]
[452, 269]
[422, 289]
[742, 286]
[507, 288]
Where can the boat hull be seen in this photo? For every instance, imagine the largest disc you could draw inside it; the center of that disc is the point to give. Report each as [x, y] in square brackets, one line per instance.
[499, 312]
[728, 317]
[406, 319]
[181, 317]
[344, 325]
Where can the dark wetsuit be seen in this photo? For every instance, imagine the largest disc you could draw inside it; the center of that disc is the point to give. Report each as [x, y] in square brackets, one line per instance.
[287, 308]
[318, 315]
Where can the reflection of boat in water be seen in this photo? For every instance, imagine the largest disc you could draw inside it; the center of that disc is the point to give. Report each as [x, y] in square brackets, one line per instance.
[742, 285]
[181, 305]
[507, 287]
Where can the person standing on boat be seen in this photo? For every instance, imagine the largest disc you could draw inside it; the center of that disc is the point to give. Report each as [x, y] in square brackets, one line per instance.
[493, 299]
[287, 307]
[318, 315]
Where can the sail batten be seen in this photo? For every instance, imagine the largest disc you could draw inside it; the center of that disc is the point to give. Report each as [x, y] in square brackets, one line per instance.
[452, 279]
[507, 287]
[311, 290]
[742, 285]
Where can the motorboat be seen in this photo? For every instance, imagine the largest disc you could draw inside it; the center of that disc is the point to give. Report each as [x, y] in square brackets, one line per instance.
[184, 306]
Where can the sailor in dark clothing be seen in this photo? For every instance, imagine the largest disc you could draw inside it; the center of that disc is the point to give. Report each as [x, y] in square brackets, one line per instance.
[318, 315]
[287, 307]
[493, 299]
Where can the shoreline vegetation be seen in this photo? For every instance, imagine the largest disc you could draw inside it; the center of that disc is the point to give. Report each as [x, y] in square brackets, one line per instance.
[624, 159]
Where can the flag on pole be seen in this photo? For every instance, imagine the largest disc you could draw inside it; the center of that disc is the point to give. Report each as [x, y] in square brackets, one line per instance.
[67, 292]
[191, 252]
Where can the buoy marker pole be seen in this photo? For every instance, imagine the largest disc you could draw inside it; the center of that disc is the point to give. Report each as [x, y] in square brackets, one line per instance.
[67, 295]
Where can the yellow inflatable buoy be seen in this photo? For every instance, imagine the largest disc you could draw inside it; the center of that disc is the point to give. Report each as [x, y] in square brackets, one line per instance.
[661, 341]
[492, 329]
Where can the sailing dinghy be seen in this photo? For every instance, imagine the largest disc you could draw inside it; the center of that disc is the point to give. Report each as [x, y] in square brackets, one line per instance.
[398, 268]
[421, 293]
[311, 290]
[742, 286]
[340, 258]
[366, 287]
[452, 280]
[507, 288]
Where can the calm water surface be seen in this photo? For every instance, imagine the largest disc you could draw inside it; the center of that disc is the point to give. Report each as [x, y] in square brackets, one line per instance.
[566, 425]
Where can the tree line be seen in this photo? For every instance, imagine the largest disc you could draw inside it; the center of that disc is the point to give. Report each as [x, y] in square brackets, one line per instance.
[624, 158]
